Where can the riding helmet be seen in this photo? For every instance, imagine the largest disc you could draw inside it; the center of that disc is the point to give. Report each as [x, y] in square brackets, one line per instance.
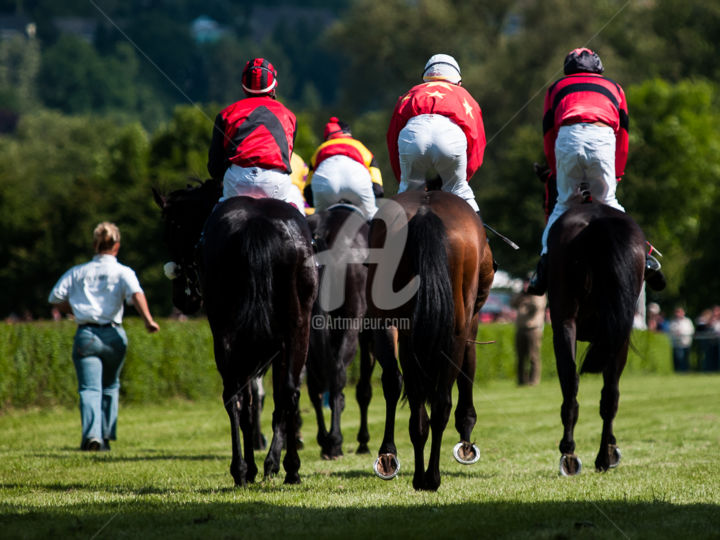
[259, 77]
[336, 127]
[582, 60]
[442, 67]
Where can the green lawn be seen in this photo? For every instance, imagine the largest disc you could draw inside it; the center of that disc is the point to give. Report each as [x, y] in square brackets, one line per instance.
[167, 475]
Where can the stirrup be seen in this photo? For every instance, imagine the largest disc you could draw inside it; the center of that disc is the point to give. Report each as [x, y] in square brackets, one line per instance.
[652, 264]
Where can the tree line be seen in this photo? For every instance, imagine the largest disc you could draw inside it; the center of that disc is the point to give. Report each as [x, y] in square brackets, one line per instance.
[98, 124]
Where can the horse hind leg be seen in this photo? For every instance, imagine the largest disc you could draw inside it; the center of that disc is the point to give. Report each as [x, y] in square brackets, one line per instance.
[238, 466]
[564, 344]
[419, 431]
[440, 414]
[363, 391]
[248, 417]
[387, 464]
[466, 452]
[609, 454]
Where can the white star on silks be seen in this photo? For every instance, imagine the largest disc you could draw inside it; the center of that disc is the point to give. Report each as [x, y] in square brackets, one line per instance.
[468, 108]
[436, 94]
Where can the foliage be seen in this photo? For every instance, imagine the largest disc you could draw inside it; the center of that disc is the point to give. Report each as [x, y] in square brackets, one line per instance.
[166, 476]
[38, 370]
[177, 362]
[19, 64]
[674, 174]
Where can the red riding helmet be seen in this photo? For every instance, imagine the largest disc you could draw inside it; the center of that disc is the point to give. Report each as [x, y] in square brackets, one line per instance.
[582, 61]
[335, 128]
[259, 77]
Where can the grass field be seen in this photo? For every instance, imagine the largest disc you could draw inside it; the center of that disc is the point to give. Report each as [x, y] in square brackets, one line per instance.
[167, 475]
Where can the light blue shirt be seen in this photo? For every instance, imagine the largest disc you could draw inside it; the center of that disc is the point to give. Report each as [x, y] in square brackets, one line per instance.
[96, 290]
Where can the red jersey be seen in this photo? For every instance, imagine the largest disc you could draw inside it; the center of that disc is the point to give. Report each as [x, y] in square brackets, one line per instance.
[253, 132]
[586, 97]
[446, 99]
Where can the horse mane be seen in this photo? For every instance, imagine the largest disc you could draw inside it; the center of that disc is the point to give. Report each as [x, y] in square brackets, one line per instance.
[607, 264]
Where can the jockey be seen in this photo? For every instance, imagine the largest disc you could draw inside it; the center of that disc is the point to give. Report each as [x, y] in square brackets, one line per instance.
[437, 130]
[342, 168]
[585, 131]
[253, 139]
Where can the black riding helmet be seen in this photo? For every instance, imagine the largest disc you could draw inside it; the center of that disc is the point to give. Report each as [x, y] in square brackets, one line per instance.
[582, 61]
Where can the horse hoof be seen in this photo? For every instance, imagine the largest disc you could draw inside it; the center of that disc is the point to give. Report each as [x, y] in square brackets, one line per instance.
[362, 449]
[570, 465]
[466, 453]
[615, 457]
[387, 466]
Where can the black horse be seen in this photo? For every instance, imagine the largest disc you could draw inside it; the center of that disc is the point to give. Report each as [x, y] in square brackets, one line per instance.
[340, 234]
[430, 273]
[257, 282]
[596, 261]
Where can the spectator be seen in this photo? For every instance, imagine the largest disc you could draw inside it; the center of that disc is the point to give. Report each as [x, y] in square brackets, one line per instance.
[95, 292]
[655, 319]
[529, 325]
[681, 334]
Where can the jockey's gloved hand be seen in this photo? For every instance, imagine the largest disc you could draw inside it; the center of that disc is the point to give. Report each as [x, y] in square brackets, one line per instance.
[378, 190]
[542, 172]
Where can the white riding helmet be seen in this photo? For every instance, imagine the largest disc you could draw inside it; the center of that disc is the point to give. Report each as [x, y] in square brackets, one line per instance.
[442, 67]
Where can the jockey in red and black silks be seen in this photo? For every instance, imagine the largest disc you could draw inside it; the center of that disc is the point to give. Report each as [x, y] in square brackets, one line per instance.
[437, 129]
[585, 139]
[585, 97]
[253, 139]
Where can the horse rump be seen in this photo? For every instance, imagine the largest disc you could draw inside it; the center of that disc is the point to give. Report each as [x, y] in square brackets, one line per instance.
[608, 274]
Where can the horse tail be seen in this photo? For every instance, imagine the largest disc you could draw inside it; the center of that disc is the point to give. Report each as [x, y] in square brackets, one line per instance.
[611, 255]
[434, 316]
[254, 247]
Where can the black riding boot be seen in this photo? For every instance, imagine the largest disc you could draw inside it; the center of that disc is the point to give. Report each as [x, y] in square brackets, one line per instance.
[538, 283]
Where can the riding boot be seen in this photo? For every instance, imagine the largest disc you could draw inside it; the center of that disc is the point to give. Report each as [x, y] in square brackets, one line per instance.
[653, 275]
[538, 283]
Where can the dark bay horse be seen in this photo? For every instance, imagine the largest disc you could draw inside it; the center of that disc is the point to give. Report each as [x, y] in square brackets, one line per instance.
[596, 261]
[257, 281]
[340, 234]
[430, 272]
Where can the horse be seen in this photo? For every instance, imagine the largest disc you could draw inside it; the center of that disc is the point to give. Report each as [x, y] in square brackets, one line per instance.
[430, 272]
[596, 261]
[340, 235]
[253, 269]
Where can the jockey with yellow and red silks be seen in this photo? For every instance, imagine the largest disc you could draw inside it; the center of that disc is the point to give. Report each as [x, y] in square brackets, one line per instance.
[437, 130]
[253, 139]
[342, 168]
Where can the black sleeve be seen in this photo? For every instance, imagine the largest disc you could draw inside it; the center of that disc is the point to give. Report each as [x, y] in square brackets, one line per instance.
[217, 160]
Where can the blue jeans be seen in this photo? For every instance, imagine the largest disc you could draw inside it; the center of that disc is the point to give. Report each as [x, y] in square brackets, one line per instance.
[98, 354]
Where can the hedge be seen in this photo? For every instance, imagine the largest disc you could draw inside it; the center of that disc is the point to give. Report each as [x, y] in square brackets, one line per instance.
[36, 367]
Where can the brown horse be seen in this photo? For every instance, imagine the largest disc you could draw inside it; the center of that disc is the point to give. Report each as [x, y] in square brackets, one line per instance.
[596, 261]
[430, 271]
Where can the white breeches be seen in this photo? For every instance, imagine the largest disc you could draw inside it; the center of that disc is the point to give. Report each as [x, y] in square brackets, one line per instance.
[432, 145]
[258, 183]
[341, 177]
[585, 159]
